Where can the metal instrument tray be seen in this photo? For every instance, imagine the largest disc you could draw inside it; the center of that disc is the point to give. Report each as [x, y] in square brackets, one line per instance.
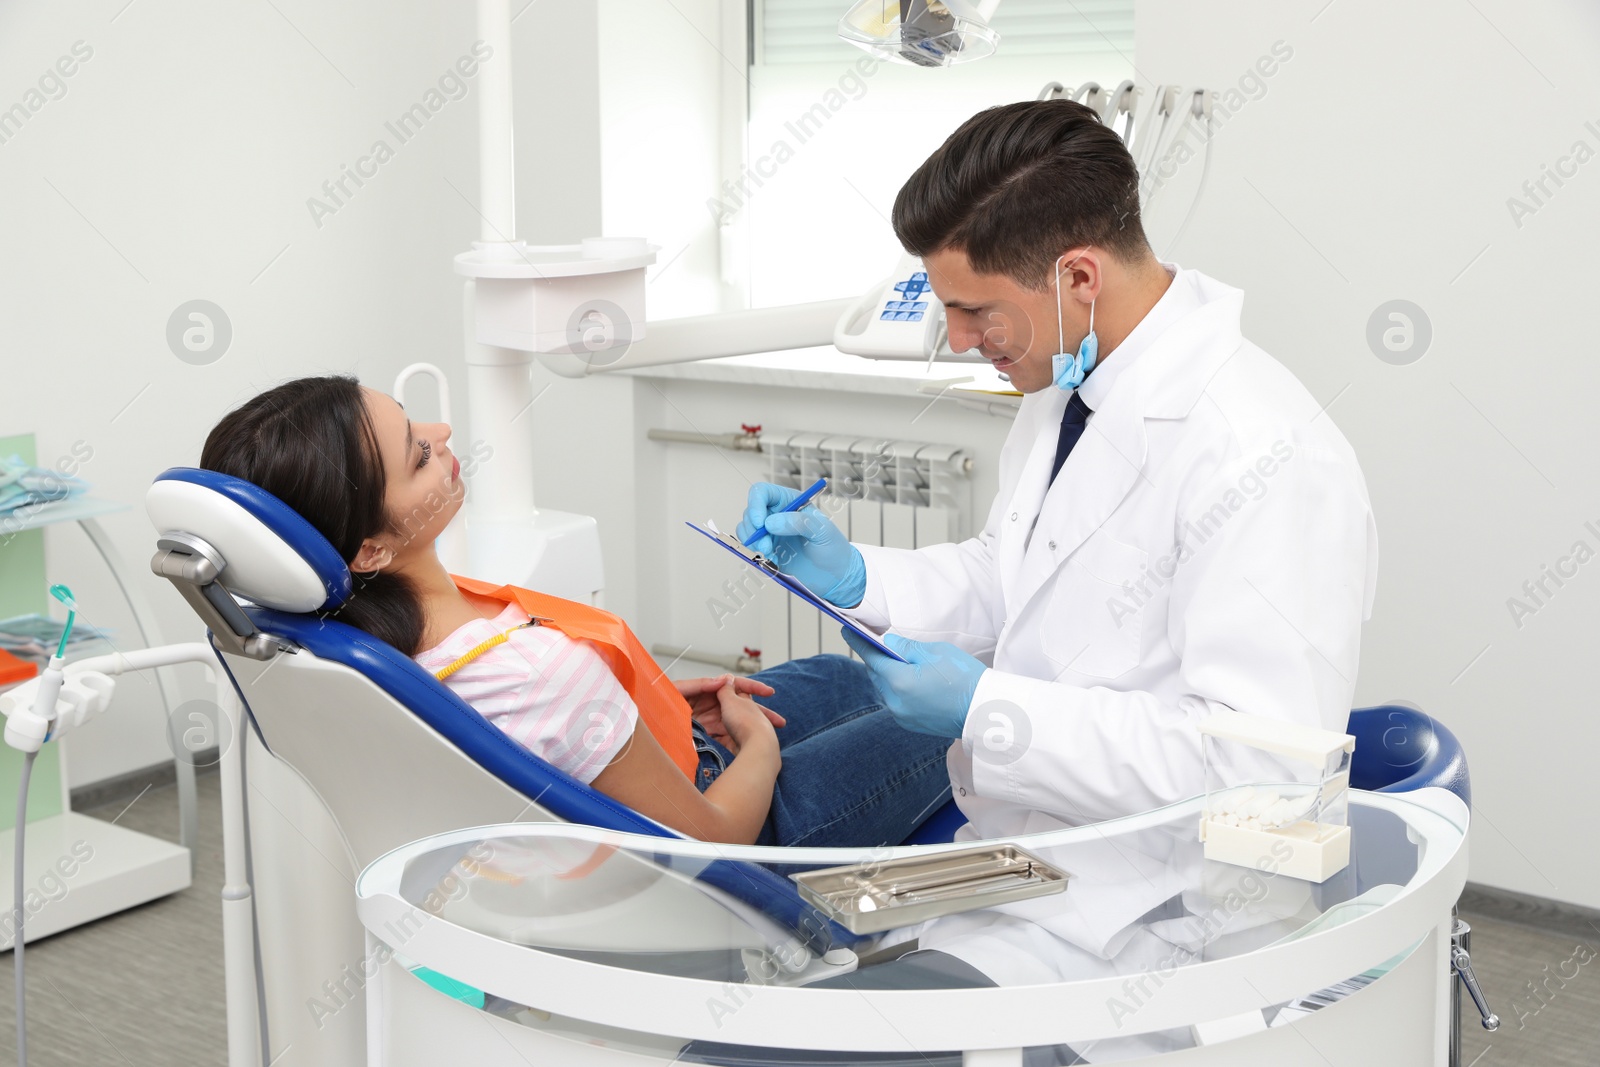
[866, 898]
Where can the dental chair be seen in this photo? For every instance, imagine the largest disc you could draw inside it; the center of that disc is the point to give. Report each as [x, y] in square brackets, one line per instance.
[351, 749]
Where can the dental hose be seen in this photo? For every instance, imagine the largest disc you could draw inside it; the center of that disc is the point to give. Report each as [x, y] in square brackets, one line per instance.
[17, 909]
[48, 693]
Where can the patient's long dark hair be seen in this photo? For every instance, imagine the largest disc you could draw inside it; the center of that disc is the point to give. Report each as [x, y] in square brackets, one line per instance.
[311, 443]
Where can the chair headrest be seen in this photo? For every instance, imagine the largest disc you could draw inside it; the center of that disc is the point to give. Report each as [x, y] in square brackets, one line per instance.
[274, 557]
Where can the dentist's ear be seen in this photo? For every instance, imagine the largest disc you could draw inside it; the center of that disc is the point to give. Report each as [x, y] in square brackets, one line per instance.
[1080, 273]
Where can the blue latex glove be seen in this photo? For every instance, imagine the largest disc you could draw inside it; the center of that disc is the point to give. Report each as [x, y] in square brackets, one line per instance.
[932, 693]
[805, 545]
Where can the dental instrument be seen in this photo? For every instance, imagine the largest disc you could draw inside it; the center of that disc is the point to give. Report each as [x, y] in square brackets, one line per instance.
[882, 894]
[1203, 99]
[56, 705]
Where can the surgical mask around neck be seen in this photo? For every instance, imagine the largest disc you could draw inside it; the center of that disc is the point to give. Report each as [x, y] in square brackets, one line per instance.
[1069, 371]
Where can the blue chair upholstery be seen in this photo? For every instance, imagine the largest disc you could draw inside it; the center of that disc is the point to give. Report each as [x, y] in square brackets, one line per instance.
[940, 827]
[287, 523]
[1400, 748]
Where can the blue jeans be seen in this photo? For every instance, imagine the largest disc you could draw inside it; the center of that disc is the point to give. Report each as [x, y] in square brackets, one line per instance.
[851, 776]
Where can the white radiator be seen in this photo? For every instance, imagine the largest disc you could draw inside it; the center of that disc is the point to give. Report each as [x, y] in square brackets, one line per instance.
[904, 494]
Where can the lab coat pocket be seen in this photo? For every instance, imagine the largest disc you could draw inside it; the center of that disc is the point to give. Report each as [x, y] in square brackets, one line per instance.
[1091, 625]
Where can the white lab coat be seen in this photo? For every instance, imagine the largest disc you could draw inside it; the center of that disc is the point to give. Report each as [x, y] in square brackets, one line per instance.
[1209, 544]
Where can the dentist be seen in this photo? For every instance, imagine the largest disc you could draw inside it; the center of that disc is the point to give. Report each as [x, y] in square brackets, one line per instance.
[1180, 527]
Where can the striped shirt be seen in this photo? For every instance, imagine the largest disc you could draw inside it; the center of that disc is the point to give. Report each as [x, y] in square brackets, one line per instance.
[552, 694]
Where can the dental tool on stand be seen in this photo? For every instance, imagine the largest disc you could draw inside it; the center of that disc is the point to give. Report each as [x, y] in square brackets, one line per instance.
[58, 703]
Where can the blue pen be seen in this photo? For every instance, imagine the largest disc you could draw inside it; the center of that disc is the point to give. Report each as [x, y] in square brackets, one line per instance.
[794, 505]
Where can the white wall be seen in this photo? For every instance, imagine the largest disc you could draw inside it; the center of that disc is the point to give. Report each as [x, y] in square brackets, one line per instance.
[177, 166]
[1376, 164]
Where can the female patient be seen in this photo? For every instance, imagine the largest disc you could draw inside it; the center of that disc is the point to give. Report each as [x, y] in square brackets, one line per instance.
[822, 765]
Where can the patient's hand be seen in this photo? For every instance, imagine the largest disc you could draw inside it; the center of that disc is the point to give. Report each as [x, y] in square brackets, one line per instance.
[724, 708]
[741, 725]
[701, 693]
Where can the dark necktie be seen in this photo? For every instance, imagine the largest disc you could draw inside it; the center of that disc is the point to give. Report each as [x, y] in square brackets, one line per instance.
[1073, 421]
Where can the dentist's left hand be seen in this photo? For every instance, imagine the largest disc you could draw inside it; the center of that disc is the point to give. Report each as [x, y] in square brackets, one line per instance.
[932, 693]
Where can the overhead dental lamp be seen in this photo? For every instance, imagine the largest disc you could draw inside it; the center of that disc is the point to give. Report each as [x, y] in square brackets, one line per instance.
[923, 33]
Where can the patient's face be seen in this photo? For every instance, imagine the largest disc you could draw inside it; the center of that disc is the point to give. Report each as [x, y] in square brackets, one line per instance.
[423, 488]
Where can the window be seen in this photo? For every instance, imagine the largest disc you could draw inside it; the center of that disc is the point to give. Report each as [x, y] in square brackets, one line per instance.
[833, 133]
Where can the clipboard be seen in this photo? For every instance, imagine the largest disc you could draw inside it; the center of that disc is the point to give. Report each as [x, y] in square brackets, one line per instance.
[770, 570]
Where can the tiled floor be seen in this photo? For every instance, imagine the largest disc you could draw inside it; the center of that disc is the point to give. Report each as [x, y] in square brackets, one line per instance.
[145, 986]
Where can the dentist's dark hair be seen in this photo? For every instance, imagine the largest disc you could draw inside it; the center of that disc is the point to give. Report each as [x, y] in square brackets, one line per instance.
[1019, 184]
[311, 443]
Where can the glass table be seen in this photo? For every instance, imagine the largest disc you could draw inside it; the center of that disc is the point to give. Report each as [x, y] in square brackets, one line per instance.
[560, 943]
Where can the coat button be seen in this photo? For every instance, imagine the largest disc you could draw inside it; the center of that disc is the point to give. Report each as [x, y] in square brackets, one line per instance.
[962, 790]
[1052, 546]
[1013, 516]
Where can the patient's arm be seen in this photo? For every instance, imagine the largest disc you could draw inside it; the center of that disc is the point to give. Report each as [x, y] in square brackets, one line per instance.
[732, 809]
